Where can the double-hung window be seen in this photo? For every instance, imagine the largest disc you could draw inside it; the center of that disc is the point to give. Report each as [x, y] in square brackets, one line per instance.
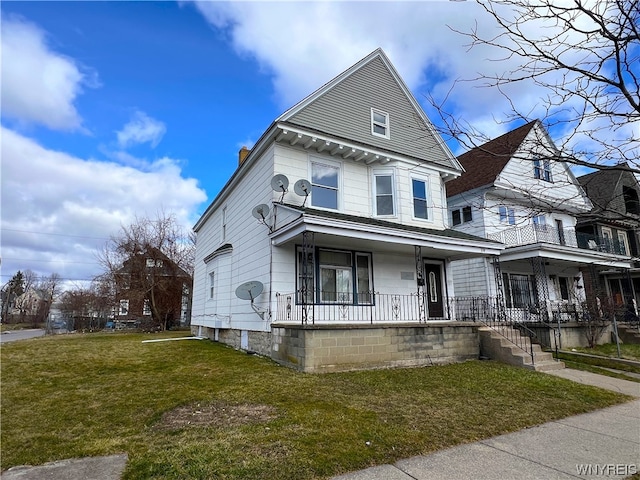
[461, 215]
[383, 186]
[420, 207]
[542, 170]
[379, 123]
[212, 278]
[339, 276]
[325, 180]
[124, 307]
[507, 215]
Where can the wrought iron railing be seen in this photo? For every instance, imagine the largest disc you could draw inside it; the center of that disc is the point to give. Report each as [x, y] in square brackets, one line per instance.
[530, 234]
[336, 307]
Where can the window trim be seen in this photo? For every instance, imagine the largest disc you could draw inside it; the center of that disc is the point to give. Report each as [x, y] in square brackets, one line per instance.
[123, 302]
[623, 239]
[316, 295]
[386, 125]
[542, 170]
[374, 188]
[507, 214]
[331, 164]
[425, 181]
[212, 284]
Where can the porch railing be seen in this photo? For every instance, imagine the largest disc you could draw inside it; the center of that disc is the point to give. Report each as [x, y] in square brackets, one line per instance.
[336, 307]
[530, 234]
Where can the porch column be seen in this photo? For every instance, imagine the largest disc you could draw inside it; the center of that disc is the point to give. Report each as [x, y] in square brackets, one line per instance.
[307, 290]
[542, 285]
[422, 311]
[500, 305]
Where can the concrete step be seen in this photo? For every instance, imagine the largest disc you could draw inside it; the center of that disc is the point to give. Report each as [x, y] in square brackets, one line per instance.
[496, 345]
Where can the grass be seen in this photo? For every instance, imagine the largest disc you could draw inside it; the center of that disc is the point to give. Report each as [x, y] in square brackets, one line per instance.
[627, 350]
[87, 395]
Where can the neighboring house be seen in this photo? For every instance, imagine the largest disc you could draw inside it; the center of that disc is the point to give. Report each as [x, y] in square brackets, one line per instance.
[151, 291]
[516, 190]
[355, 235]
[30, 303]
[614, 225]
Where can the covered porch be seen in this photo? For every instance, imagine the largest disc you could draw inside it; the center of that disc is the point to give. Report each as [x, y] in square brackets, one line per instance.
[344, 269]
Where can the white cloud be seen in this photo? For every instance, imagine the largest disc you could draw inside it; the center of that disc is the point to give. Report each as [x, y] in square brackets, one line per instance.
[141, 129]
[302, 46]
[38, 85]
[59, 209]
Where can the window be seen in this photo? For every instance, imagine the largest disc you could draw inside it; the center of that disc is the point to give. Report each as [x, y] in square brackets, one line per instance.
[507, 215]
[420, 199]
[146, 309]
[383, 187]
[343, 277]
[324, 185]
[212, 277]
[520, 290]
[623, 243]
[542, 170]
[461, 215]
[379, 123]
[631, 202]
[151, 262]
[539, 220]
[124, 307]
[224, 224]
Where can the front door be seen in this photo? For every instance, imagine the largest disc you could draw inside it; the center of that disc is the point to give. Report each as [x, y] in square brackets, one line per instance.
[433, 290]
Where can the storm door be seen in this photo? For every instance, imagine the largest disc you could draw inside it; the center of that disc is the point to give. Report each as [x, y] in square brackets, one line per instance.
[433, 290]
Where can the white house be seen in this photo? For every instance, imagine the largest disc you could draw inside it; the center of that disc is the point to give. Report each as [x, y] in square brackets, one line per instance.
[338, 219]
[517, 190]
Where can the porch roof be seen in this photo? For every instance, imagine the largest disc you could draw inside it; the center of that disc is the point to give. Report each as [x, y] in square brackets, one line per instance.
[565, 254]
[451, 243]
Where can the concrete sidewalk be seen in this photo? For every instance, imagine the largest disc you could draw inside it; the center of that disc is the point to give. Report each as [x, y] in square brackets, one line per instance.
[600, 444]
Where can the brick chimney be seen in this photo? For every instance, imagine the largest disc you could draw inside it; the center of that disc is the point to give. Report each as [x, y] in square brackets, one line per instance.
[242, 155]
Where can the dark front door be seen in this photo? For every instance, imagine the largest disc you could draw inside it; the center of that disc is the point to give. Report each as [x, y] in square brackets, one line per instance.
[433, 290]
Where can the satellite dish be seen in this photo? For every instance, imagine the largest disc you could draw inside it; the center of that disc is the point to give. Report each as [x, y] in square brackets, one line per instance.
[302, 187]
[260, 211]
[249, 290]
[279, 183]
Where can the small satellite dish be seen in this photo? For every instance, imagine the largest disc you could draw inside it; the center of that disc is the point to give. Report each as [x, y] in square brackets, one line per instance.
[249, 290]
[279, 183]
[260, 211]
[302, 187]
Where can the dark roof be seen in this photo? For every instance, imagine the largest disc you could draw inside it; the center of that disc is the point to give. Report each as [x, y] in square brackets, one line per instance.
[449, 233]
[484, 163]
[600, 186]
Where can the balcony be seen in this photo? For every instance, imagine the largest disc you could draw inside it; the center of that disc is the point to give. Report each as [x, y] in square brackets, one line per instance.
[531, 234]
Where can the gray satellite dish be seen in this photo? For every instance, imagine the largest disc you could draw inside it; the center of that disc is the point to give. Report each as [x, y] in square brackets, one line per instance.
[249, 290]
[279, 183]
[302, 187]
[260, 211]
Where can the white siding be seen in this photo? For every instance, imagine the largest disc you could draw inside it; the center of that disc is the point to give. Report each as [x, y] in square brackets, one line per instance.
[249, 260]
[473, 277]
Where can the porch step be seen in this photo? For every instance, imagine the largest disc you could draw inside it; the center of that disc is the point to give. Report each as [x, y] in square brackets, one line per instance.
[629, 334]
[494, 344]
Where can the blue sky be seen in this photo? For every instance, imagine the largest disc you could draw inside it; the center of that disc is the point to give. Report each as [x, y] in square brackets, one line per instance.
[112, 110]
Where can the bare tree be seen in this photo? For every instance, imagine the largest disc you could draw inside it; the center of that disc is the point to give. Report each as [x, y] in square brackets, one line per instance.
[150, 262]
[583, 58]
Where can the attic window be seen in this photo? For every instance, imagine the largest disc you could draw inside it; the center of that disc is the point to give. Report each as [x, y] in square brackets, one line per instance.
[542, 170]
[379, 123]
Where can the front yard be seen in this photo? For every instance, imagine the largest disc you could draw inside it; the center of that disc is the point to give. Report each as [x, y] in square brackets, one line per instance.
[196, 409]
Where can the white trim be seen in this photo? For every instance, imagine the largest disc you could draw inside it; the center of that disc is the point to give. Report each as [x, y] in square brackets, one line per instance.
[384, 172]
[427, 193]
[386, 125]
[333, 164]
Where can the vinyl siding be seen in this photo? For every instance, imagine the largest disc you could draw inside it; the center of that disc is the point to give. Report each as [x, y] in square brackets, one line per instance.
[345, 111]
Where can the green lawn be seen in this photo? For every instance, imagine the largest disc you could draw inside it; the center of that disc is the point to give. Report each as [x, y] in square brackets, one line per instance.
[629, 351]
[197, 409]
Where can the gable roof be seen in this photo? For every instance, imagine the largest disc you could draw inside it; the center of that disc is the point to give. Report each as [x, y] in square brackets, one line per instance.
[342, 108]
[604, 188]
[484, 163]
